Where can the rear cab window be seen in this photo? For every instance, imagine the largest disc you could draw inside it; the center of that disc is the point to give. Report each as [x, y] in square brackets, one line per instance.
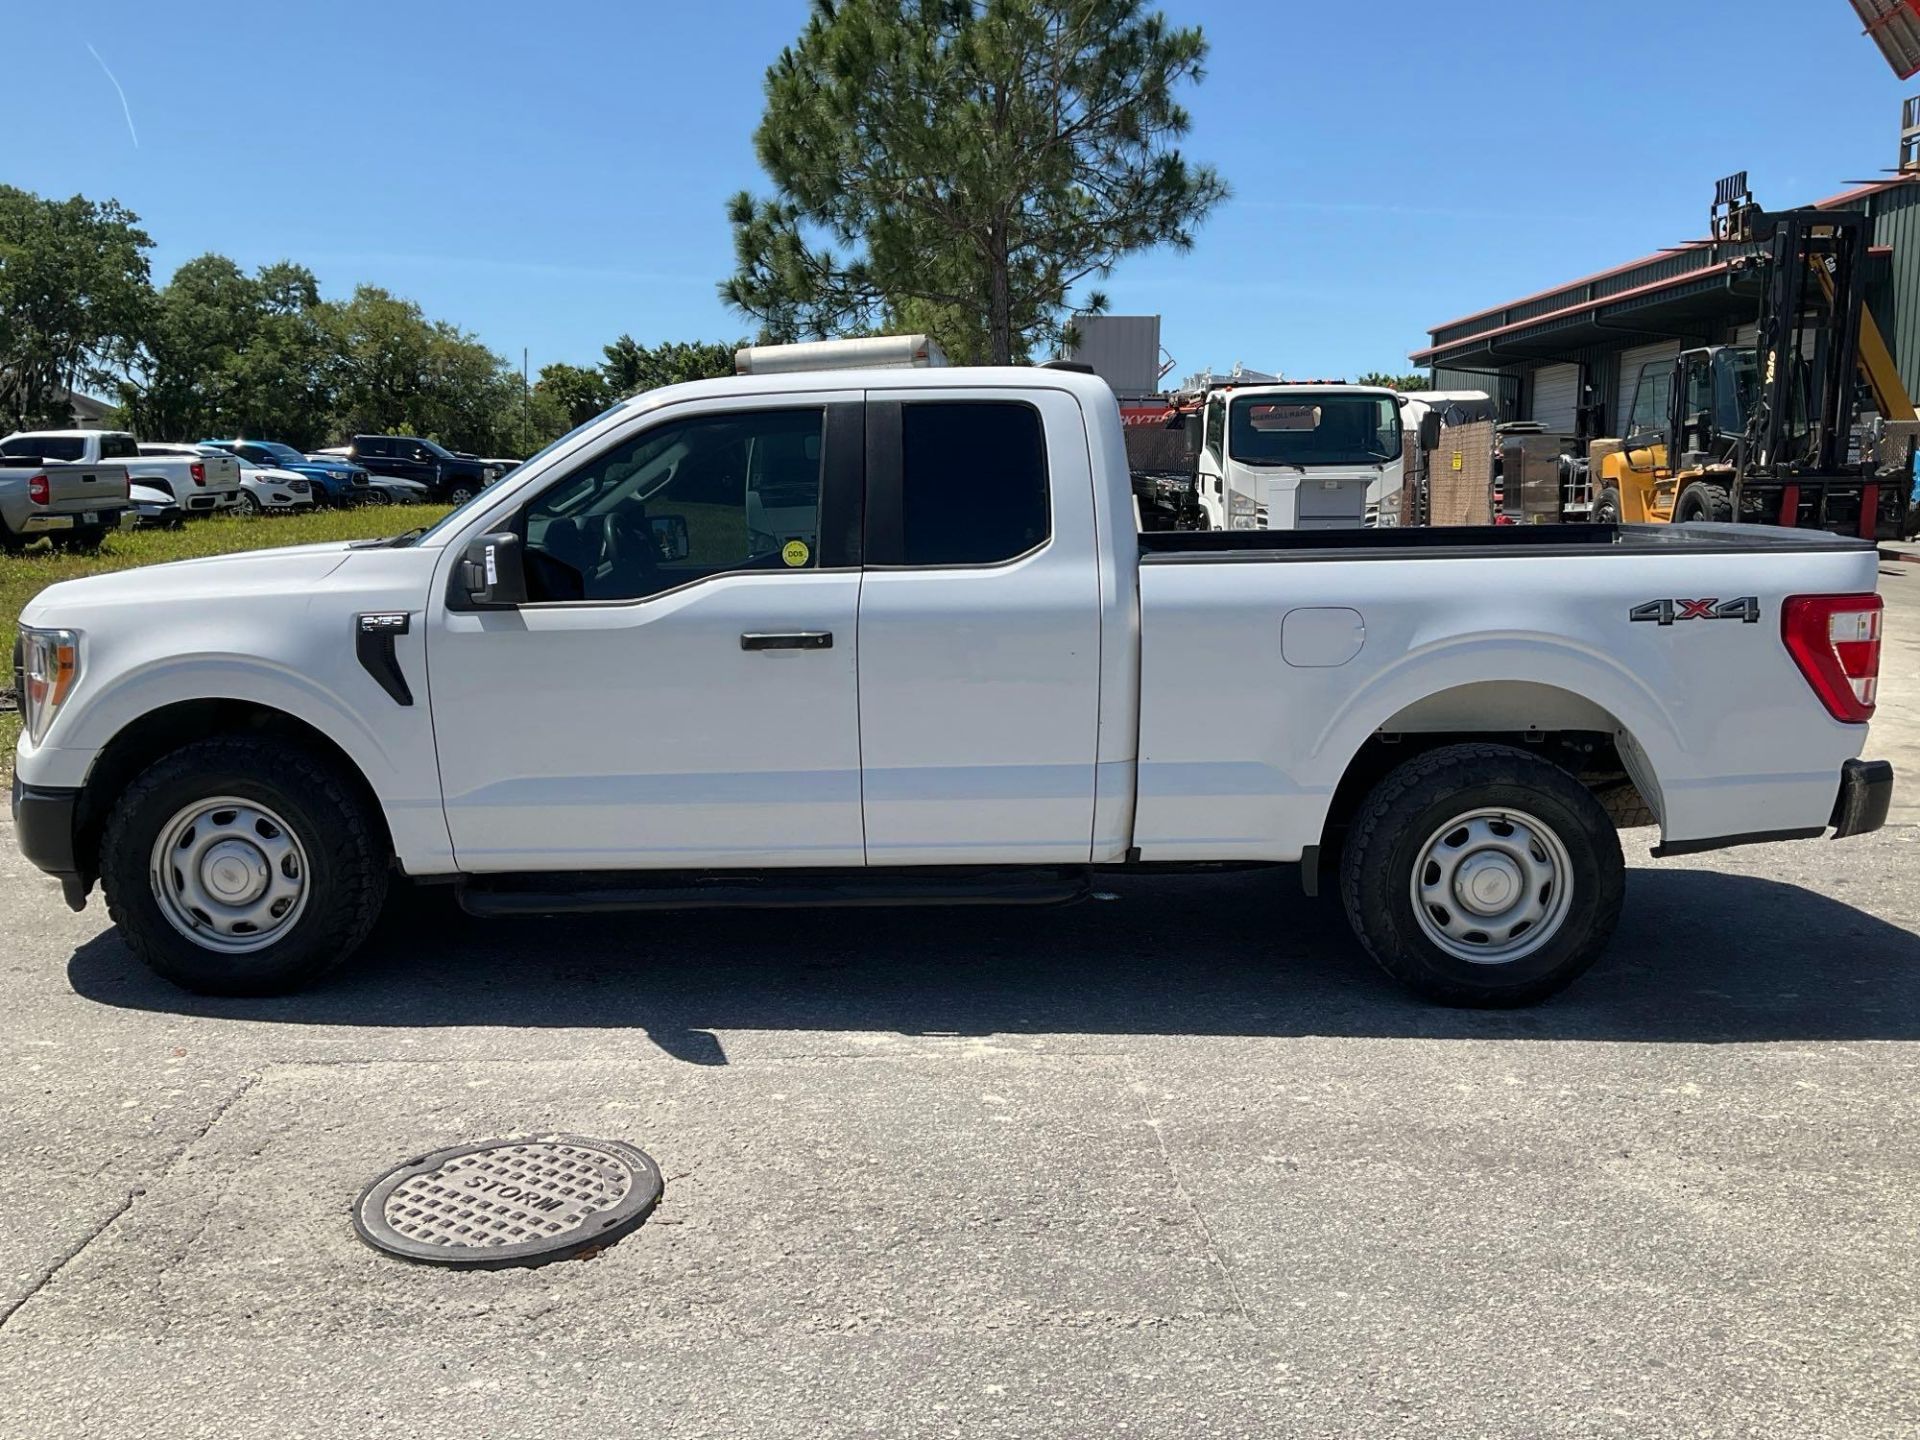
[972, 485]
[45, 447]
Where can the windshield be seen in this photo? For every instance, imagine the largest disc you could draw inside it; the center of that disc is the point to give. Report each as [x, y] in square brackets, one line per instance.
[1308, 429]
[285, 454]
[489, 496]
[1737, 378]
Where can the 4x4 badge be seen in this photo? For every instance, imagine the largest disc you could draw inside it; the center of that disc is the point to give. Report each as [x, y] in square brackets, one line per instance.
[1665, 612]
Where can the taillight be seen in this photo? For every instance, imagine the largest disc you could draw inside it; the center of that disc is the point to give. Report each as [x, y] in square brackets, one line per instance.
[1835, 640]
[39, 491]
[198, 471]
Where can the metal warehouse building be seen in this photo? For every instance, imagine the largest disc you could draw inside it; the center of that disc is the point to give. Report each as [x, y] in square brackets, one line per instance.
[1537, 356]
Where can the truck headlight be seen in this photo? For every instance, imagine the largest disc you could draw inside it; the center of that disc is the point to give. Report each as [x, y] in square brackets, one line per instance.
[49, 669]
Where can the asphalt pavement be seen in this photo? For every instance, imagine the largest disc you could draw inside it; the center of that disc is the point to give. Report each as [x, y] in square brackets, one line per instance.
[1171, 1163]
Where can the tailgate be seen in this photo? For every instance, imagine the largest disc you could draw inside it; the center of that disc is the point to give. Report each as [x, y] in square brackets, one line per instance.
[74, 488]
[223, 472]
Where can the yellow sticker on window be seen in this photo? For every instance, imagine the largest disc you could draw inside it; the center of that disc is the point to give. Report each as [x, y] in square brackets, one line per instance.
[795, 553]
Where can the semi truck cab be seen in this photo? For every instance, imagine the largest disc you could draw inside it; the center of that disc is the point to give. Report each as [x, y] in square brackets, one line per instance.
[1300, 457]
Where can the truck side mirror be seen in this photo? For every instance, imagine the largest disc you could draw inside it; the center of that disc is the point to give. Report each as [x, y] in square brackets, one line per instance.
[493, 572]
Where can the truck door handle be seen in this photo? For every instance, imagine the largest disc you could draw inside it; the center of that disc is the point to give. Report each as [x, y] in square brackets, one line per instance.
[787, 640]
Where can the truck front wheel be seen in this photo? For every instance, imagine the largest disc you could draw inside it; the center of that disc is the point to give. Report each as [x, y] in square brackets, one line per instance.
[242, 866]
[1482, 875]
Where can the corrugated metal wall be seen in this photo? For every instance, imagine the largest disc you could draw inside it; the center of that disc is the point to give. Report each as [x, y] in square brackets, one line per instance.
[1896, 301]
[1505, 389]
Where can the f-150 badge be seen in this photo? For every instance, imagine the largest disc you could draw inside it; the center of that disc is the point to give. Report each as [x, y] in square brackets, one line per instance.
[1665, 612]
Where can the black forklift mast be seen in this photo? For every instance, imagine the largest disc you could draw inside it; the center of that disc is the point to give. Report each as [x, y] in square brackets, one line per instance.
[1791, 431]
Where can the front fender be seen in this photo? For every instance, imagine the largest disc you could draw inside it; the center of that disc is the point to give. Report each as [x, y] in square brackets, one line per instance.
[395, 756]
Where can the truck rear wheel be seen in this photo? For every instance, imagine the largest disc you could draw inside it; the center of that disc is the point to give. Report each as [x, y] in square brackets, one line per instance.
[81, 542]
[1482, 875]
[1700, 501]
[1606, 506]
[242, 866]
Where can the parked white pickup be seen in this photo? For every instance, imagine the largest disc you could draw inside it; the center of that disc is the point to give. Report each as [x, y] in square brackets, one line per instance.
[200, 478]
[892, 636]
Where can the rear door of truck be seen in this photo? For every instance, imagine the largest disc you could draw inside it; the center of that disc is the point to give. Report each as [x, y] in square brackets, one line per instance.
[980, 628]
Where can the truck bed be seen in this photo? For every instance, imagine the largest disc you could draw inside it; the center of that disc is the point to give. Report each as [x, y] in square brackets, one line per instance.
[1261, 680]
[1475, 541]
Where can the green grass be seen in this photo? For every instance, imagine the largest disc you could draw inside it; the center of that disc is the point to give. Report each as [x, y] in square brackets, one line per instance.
[24, 576]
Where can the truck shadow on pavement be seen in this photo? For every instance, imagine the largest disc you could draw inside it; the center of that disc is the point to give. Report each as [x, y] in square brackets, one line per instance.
[1699, 957]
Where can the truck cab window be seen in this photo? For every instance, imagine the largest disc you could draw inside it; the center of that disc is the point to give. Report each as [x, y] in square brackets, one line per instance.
[1216, 427]
[973, 482]
[683, 501]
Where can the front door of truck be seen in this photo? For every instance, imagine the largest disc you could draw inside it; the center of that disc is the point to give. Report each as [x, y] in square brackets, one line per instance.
[979, 629]
[679, 690]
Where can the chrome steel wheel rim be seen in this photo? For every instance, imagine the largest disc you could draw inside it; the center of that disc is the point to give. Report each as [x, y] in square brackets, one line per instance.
[229, 874]
[1492, 886]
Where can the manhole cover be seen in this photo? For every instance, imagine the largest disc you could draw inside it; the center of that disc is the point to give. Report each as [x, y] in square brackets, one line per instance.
[509, 1202]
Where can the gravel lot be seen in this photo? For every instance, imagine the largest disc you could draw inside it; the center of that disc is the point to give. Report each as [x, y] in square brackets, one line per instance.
[1179, 1162]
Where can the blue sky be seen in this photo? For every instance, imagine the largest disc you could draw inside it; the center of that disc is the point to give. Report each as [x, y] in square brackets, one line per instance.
[549, 177]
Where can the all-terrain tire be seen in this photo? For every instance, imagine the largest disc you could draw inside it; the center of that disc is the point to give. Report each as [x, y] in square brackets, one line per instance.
[1625, 805]
[1416, 805]
[345, 873]
[1701, 501]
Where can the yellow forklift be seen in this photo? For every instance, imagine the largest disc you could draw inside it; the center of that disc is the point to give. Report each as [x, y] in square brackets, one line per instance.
[1772, 434]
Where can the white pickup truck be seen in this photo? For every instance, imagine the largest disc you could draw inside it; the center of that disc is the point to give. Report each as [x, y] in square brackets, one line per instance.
[891, 636]
[201, 478]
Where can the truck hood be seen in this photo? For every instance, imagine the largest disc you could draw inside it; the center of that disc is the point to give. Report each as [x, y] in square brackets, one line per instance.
[217, 579]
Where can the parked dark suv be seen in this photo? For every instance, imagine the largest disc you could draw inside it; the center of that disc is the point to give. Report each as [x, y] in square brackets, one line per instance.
[450, 478]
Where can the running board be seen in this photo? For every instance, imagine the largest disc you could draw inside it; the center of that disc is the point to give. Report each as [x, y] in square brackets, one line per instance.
[608, 892]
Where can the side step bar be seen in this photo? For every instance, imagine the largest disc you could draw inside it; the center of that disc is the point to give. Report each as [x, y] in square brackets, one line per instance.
[607, 892]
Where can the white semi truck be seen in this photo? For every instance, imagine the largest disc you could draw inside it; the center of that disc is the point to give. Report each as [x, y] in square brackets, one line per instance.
[1296, 455]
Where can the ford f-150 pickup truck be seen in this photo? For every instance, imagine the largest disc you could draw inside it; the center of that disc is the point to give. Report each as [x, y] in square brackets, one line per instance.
[892, 636]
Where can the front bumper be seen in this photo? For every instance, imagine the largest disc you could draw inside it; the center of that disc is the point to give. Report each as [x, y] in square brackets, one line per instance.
[1866, 794]
[43, 826]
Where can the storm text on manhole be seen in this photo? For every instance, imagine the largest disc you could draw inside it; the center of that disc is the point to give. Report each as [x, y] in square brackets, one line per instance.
[509, 1202]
